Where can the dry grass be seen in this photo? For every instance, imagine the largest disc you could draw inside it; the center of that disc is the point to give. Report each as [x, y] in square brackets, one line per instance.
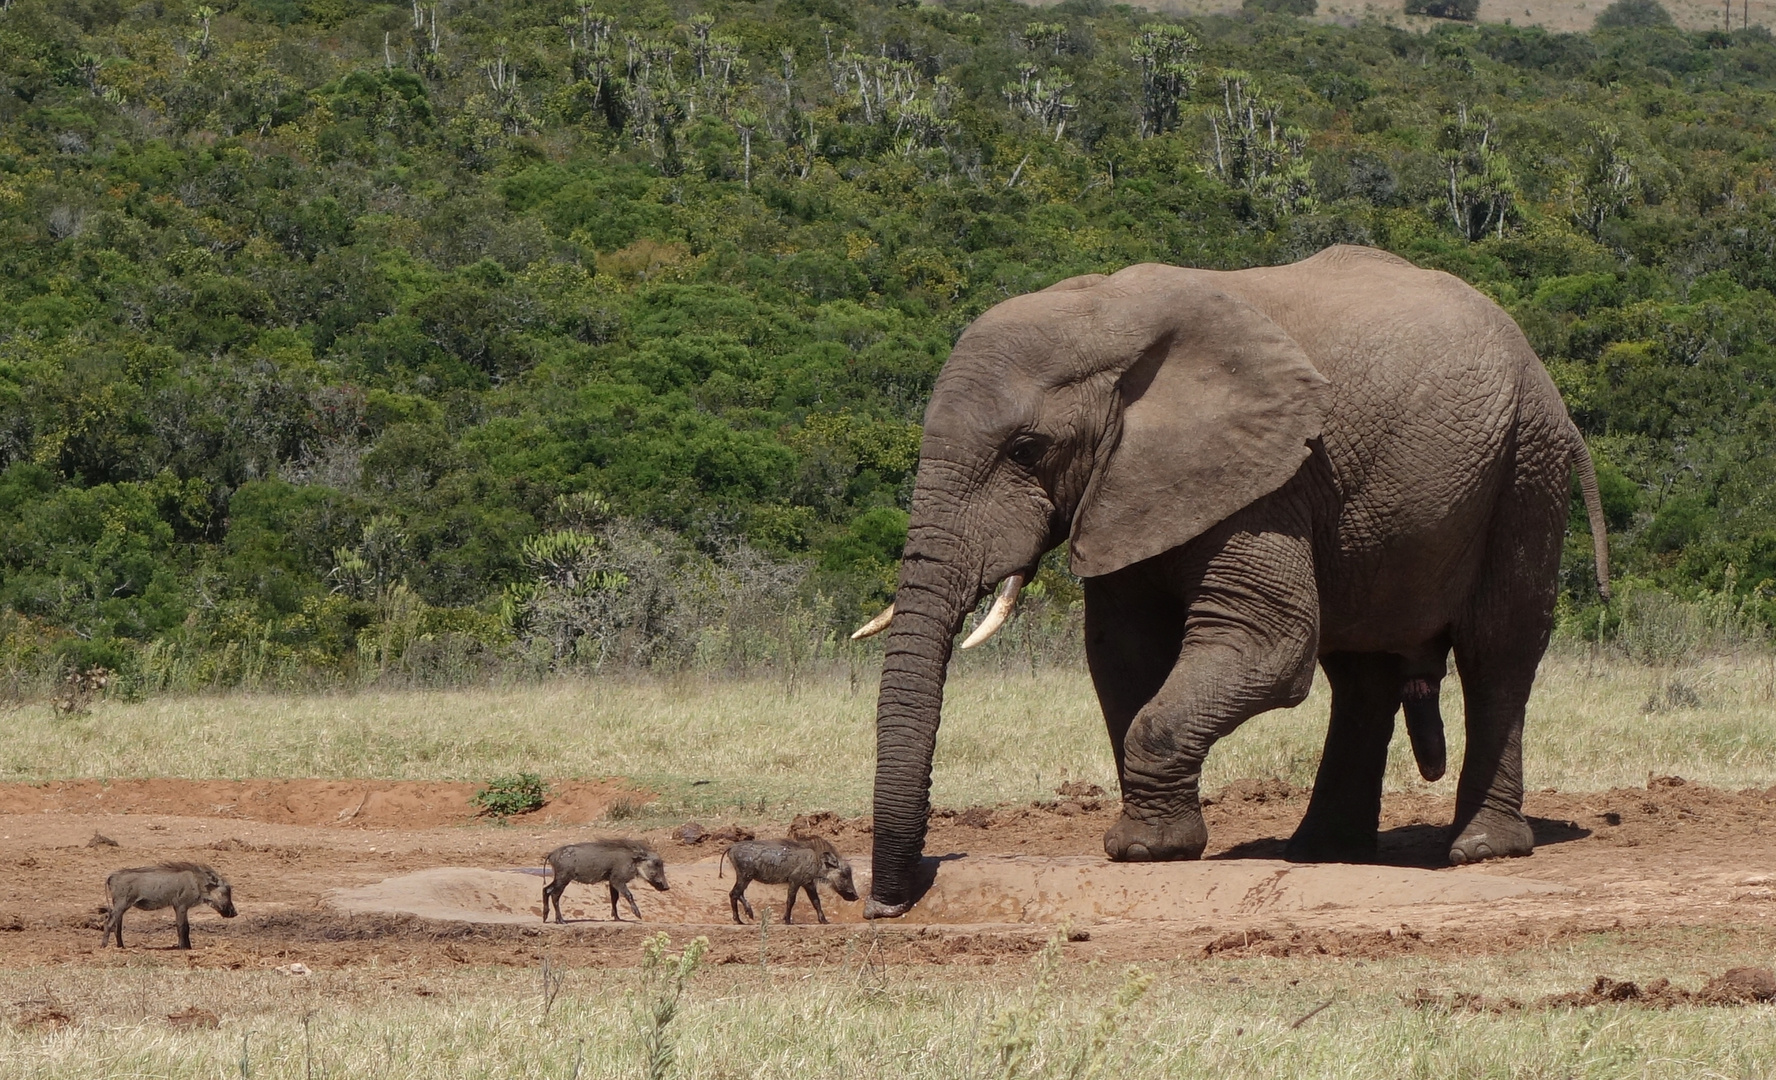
[1200, 1018]
[1006, 737]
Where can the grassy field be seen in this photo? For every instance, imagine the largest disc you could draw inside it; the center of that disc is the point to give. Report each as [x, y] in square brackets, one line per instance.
[1197, 1018]
[1009, 737]
[1594, 724]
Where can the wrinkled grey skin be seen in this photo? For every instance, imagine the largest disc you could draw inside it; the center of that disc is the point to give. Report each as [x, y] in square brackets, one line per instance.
[1347, 460]
[800, 864]
[614, 862]
[179, 885]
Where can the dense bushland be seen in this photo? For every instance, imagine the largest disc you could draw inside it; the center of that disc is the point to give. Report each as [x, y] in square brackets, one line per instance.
[343, 339]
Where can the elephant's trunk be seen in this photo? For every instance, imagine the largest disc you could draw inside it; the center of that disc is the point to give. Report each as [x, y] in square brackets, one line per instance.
[935, 595]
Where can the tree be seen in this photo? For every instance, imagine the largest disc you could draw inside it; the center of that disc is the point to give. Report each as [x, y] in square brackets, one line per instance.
[1163, 52]
[1632, 15]
[1302, 8]
[1482, 192]
[1603, 188]
[1458, 10]
[1256, 153]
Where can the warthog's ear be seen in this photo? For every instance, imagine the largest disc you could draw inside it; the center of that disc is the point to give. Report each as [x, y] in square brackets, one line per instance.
[831, 860]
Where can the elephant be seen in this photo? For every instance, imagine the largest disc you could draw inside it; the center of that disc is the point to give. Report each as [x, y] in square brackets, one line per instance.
[1347, 460]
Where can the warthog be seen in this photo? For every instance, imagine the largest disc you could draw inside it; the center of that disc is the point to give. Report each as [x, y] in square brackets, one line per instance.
[800, 864]
[615, 862]
[178, 885]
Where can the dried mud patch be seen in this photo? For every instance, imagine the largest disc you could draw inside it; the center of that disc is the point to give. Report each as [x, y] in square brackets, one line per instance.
[1670, 856]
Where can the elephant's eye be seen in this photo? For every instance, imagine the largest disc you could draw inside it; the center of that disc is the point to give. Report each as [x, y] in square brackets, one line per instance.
[1026, 450]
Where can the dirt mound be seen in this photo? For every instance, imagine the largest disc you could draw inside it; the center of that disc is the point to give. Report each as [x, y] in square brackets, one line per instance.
[1736, 986]
[692, 833]
[982, 890]
[1361, 944]
[387, 804]
[193, 1018]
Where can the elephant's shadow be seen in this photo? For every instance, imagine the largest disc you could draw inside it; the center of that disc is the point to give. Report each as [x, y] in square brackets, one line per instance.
[1425, 846]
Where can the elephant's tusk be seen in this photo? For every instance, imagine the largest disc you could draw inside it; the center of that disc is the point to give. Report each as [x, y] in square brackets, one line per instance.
[1000, 611]
[875, 625]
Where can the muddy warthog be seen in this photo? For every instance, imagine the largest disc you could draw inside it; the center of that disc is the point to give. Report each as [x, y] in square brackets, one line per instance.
[800, 864]
[614, 862]
[178, 885]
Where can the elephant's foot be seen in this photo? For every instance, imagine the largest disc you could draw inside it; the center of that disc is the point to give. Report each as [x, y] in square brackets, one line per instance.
[1311, 845]
[1163, 840]
[1339, 826]
[1492, 834]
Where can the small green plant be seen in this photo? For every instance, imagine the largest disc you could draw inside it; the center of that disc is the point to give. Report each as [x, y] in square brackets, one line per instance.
[508, 796]
[663, 977]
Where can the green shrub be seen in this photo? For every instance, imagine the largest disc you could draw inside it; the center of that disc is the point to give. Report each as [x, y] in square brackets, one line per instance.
[1280, 7]
[508, 796]
[1632, 14]
[1461, 10]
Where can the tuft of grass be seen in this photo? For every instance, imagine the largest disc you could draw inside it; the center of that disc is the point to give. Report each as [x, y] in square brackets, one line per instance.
[625, 808]
[508, 796]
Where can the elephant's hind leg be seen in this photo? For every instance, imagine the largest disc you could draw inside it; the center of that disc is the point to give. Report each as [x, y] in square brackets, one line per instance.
[1345, 812]
[1489, 802]
[1499, 644]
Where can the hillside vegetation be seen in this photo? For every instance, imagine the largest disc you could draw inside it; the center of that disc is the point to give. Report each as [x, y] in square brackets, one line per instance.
[341, 340]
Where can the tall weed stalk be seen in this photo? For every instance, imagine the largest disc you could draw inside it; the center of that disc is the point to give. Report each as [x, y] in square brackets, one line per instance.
[663, 978]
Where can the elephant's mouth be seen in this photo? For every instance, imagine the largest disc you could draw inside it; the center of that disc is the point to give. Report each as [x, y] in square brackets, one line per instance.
[1003, 603]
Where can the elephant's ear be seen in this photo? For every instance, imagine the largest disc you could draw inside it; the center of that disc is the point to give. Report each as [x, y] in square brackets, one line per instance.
[1217, 406]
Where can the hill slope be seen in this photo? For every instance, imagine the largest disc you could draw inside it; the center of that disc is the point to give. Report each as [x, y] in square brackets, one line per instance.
[338, 337]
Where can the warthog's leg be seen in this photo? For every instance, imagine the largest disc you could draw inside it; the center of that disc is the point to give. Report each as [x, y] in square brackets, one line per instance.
[114, 925]
[737, 897]
[814, 898]
[182, 916]
[627, 895]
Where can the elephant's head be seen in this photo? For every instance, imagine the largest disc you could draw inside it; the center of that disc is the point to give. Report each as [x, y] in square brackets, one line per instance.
[1126, 414]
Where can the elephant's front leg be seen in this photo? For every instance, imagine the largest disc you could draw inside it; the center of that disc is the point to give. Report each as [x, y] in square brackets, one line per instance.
[1133, 631]
[1250, 631]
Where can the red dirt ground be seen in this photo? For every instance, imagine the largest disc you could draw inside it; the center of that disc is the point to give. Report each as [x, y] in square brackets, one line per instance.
[1672, 854]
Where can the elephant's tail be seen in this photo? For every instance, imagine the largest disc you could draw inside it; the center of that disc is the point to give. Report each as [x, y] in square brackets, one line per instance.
[1593, 509]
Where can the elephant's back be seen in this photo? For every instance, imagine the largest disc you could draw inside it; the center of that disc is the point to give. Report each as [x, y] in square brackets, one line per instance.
[1423, 367]
[1432, 385]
